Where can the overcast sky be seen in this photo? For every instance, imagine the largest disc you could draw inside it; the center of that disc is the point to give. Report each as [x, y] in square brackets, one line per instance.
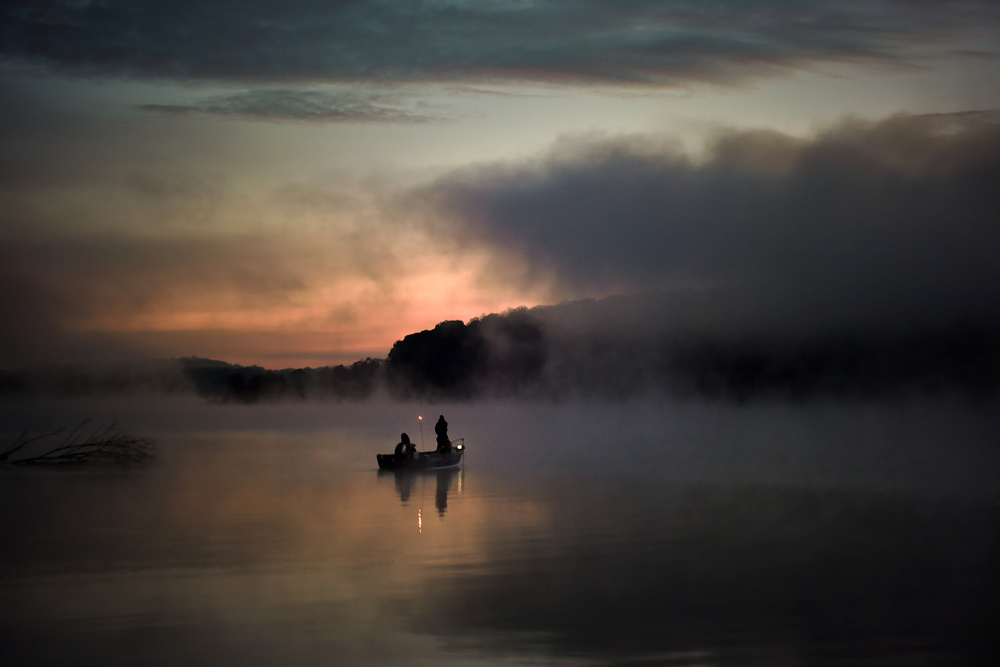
[305, 182]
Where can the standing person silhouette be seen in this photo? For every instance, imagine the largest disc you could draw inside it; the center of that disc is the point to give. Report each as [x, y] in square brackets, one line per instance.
[441, 429]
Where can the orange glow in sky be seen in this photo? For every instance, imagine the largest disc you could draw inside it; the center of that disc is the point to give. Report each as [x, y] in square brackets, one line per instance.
[334, 321]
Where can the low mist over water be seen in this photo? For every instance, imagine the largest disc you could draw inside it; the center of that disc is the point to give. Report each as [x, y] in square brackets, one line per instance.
[652, 531]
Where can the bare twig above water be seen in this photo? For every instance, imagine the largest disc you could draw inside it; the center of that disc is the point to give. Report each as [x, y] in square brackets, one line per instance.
[57, 446]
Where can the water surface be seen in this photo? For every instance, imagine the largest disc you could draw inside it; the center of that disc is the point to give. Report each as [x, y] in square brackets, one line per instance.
[639, 533]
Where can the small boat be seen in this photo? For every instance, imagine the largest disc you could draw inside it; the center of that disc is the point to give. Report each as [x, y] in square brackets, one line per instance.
[424, 460]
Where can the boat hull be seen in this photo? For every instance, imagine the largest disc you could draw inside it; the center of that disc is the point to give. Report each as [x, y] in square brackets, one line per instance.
[423, 461]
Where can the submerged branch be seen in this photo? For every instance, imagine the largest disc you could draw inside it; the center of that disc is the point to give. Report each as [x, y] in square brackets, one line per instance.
[26, 438]
[109, 444]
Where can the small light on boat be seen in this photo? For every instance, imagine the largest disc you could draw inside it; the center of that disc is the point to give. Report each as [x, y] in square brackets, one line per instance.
[420, 417]
[460, 447]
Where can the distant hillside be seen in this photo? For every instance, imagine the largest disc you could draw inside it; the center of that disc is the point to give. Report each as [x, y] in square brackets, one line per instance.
[212, 379]
[609, 349]
[148, 377]
[248, 384]
[627, 346]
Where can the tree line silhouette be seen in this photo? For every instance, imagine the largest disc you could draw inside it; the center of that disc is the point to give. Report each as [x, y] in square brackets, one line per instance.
[514, 355]
[520, 354]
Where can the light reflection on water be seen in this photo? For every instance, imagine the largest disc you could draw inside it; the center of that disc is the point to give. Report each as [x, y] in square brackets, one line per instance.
[279, 543]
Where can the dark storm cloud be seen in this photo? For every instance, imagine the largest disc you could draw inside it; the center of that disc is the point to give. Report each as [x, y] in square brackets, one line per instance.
[892, 223]
[639, 41]
[299, 105]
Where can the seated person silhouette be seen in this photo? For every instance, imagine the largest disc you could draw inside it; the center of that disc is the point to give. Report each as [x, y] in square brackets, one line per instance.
[405, 449]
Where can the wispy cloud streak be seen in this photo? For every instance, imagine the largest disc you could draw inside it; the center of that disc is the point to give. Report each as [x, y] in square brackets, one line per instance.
[298, 105]
[575, 41]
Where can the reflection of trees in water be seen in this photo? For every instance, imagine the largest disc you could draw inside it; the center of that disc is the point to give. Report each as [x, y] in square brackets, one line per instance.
[406, 481]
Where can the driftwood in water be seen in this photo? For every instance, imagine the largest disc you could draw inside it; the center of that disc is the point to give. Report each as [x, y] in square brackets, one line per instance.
[109, 444]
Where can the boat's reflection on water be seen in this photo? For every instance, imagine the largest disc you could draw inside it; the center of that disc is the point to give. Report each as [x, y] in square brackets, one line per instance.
[410, 482]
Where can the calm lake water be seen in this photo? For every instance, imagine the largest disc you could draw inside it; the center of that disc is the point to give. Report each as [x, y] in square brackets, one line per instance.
[639, 533]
